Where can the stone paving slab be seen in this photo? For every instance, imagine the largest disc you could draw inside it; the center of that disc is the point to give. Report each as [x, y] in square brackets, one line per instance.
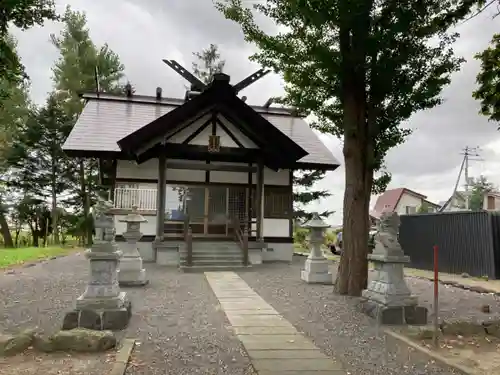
[251, 321]
[251, 312]
[273, 344]
[299, 372]
[316, 364]
[285, 354]
[265, 330]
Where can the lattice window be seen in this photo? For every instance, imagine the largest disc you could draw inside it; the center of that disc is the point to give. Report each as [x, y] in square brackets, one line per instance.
[277, 202]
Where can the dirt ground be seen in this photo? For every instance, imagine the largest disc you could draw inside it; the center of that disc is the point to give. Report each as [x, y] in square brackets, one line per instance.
[34, 363]
[479, 352]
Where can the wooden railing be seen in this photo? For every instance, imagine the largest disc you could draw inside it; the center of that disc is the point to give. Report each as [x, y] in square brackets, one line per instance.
[188, 239]
[241, 236]
[144, 199]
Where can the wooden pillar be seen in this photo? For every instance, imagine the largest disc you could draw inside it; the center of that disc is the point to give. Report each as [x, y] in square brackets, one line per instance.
[259, 201]
[112, 181]
[161, 195]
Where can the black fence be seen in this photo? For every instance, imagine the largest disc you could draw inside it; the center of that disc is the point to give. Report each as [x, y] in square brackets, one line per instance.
[468, 242]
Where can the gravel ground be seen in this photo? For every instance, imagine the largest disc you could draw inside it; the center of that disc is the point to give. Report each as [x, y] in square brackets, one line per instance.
[337, 326]
[180, 328]
[39, 296]
[176, 318]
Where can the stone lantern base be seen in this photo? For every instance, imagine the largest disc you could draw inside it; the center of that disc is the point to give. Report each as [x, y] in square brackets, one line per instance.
[102, 306]
[316, 271]
[131, 272]
[388, 298]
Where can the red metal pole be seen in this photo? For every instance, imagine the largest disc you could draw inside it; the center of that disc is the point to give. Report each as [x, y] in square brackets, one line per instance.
[436, 296]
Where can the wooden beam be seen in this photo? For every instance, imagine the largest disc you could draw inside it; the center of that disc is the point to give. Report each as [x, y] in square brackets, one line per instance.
[167, 136]
[161, 196]
[229, 133]
[259, 209]
[197, 132]
[210, 167]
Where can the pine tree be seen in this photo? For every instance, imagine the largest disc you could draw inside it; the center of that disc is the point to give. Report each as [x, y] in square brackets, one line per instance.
[14, 112]
[74, 73]
[303, 194]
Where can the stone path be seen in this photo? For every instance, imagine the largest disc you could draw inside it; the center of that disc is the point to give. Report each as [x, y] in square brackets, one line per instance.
[272, 343]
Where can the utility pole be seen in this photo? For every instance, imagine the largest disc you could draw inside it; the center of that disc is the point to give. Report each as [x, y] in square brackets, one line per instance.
[467, 152]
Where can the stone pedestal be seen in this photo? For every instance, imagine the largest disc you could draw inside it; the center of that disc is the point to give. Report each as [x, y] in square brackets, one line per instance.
[388, 297]
[102, 306]
[131, 272]
[316, 265]
[167, 253]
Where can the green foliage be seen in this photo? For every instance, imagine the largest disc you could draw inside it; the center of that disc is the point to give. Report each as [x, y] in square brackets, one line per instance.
[362, 68]
[73, 74]
[74, 71]
[303, 182]
[424, 208]
[330, 237]
[209, 63]
[480, 186]
[487, 80]
[22, 14]
[300, 237]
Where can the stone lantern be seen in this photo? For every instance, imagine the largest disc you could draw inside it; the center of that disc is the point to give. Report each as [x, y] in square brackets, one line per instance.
[131, 272]
[316, 265]
[388, 298]
[102, 306]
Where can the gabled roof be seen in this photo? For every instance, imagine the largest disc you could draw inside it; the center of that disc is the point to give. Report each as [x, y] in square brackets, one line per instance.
[218, 99]
[388, 201]
[108, 118]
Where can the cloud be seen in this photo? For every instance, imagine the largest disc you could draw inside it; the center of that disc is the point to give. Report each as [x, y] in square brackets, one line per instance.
[145, 32]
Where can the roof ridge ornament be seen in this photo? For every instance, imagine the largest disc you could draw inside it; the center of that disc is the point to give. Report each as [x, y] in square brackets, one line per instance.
[198, 86]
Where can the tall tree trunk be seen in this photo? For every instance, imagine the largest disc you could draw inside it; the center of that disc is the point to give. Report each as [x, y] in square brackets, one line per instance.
[5, 230]
[358, 156]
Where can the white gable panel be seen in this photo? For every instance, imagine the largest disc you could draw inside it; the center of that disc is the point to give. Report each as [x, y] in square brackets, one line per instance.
[244, 140]
[185, 133]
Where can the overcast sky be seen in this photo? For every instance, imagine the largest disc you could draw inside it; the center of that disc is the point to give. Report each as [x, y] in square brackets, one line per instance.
[144, 32]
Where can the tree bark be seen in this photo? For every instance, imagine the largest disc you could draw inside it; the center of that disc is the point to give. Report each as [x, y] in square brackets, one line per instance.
[358, 150]
[353, 269]
[4, 228]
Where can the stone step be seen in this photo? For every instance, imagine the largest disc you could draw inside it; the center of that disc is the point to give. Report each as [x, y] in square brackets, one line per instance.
[214, 248]
[214, 252]
[214, 256]
[209, 268]
[213, 261]
[221, 252]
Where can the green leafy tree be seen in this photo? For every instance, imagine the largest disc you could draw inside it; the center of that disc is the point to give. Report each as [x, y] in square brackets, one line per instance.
[424, 208]
[487, 80]
[39, 163]
[208, 63]
[480, 187]
[362, 68]
[14, 112]
[74, 73]
[22, 14]
[36, 214]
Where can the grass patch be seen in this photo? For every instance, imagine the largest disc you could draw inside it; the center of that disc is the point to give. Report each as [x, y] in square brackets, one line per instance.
[13, 257]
